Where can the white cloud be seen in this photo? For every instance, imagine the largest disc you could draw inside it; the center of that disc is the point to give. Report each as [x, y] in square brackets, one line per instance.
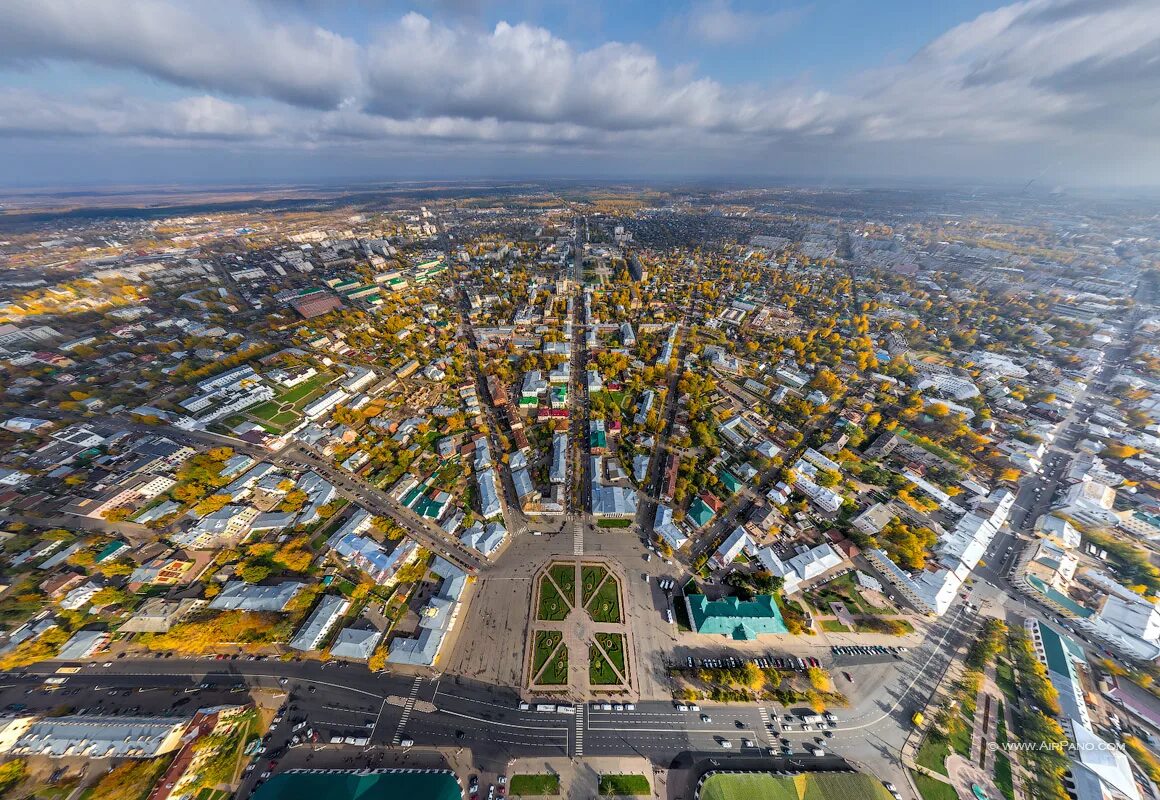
[110, 114]
[717, 22]
[212, 45]
[1065, 75]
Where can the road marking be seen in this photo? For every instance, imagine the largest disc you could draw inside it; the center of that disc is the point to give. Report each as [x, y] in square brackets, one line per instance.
[577, 538]
[936, 651]
[555, 728]
[764, 714]
[579, 729]
[407, 709]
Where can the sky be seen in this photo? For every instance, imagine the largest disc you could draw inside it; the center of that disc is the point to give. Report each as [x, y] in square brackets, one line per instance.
[1066, 92]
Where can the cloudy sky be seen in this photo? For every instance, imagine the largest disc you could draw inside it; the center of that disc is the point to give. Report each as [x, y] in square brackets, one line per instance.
[129, 91]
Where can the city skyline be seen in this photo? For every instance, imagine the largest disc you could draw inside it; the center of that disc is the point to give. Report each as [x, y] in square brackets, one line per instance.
[1059, 92]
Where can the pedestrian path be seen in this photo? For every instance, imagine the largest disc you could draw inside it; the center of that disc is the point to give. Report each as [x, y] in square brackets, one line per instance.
[408, 707]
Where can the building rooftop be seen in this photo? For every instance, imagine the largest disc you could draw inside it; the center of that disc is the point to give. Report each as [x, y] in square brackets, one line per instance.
[740, 619]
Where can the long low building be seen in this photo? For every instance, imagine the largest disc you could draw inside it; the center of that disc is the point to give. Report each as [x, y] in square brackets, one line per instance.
[91, 736]
[933, 589]
[242, 596]
[743, 620]
[436, 621]
[313, 632]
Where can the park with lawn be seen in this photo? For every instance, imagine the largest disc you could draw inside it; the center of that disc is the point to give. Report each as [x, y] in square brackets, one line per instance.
[553, 670]
[806, 786]
[577, 612]
[546, 644]
[625, 786]
[286, 408]
[539, 785]
[552, 605]
[601, 595]
[606, 662]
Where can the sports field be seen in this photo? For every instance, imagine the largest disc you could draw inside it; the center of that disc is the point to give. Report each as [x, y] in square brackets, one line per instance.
[816, 786]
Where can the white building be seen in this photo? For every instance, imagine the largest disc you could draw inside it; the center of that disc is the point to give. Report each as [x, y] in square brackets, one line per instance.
[734, 545]
[489, 502]
[242, 596]
[325, 404]
[1090, 503]
[312, 633]
[667, 529]
[809, 564]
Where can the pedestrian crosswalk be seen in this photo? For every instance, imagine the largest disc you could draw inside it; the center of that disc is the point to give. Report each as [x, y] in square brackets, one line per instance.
[579, 737]
[577, 538]
[408, 707]
[764, 714]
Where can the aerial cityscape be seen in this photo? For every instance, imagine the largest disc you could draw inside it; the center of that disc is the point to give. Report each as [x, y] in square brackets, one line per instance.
[459, 412]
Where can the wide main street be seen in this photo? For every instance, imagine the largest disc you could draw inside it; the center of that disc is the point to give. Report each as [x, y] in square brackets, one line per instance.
[449, 711]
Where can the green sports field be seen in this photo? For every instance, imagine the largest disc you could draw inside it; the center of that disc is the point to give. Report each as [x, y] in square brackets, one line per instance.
[817, 786]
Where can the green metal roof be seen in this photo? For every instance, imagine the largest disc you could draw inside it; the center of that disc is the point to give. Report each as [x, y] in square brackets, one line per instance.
[700, 512]
[731, 481]
[1059, 598]
[740, 619]
[108, 550]
[351, 785]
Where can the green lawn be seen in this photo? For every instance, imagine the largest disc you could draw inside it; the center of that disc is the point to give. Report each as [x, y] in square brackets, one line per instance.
[286, 407]
[1005, 678]
[545, 644]
[565, 577]
[624, 784]
[534, 785]
[611, 398]
[613, 644]
[931, 789]
[833, 626]
[844, 590]
[961, 740]
[819, 786]
[933, 754]
[551, 605]
[590, 578]
[605, 604]
[614, 523]
[296, 394]
[556, 671]
[1003, 780]
[600, 672]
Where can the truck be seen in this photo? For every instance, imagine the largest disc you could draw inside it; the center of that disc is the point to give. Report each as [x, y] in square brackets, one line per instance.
[546, 707]
[564, 709]
[813, 719]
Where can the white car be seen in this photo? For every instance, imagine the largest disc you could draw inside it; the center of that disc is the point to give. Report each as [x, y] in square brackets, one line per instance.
[728, 745]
